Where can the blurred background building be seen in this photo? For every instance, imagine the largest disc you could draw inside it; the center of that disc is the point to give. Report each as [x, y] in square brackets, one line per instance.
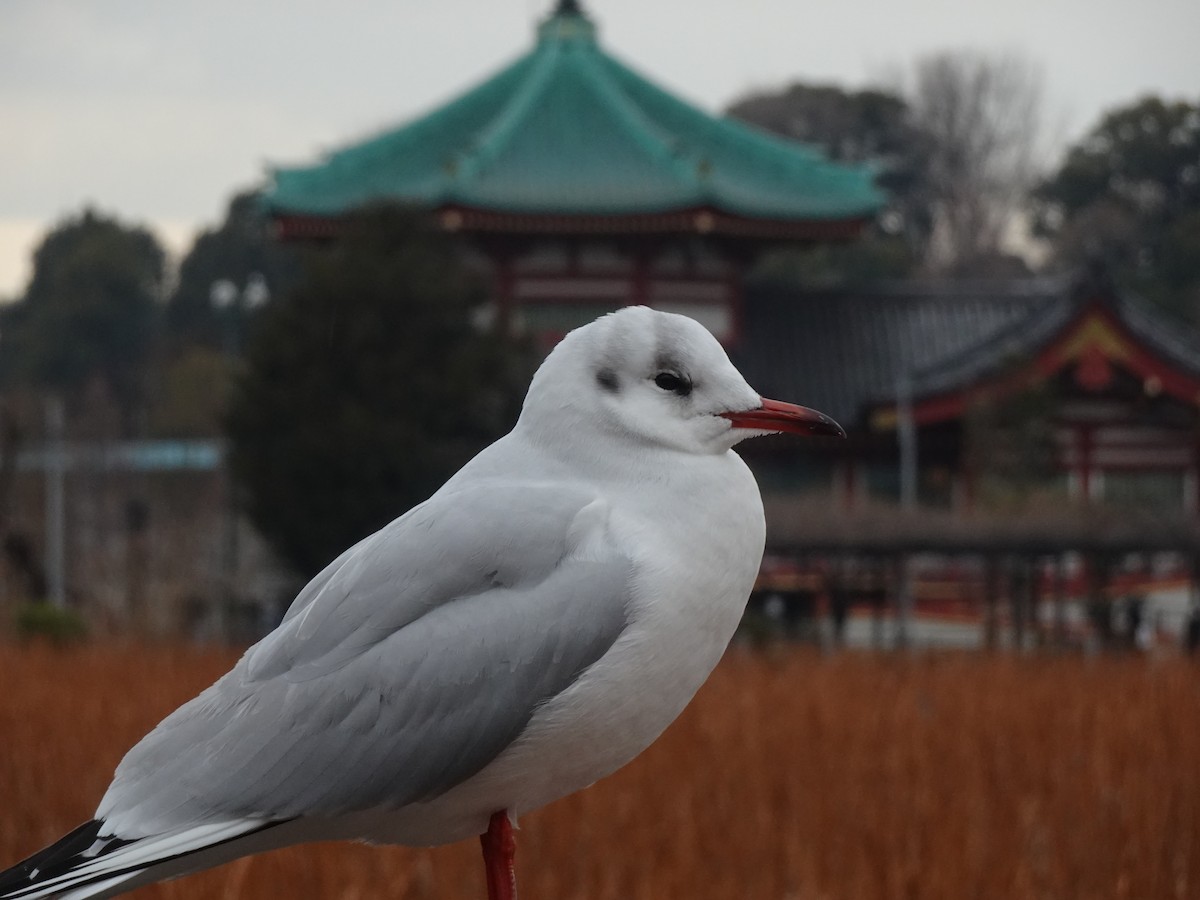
[1023, 461]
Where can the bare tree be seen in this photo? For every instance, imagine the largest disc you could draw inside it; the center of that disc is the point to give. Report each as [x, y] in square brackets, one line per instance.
[982, 116]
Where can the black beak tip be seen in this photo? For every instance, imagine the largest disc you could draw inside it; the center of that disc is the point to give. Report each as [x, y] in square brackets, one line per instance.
[830, 427]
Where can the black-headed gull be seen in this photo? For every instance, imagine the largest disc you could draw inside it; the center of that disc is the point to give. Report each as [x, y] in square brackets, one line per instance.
[529, 629]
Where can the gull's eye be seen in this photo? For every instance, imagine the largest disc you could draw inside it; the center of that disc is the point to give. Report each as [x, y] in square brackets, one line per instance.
[676, 384]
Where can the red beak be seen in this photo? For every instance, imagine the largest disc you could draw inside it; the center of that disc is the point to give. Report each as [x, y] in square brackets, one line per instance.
[775, 415]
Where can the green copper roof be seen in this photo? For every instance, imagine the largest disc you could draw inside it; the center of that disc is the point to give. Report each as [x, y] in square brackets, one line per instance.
[568, 130]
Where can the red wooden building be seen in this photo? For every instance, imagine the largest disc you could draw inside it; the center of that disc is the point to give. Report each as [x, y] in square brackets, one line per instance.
[1073, 389]
[582, 187]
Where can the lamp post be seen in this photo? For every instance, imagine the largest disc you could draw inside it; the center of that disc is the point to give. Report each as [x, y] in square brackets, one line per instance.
[232, 304]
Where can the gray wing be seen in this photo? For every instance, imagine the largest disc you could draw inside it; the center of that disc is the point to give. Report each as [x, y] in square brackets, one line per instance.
[401, 670]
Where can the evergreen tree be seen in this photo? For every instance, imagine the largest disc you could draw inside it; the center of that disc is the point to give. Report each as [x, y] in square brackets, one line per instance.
[365, 387]
[90, 311]
[240, 252]
[1129, 194]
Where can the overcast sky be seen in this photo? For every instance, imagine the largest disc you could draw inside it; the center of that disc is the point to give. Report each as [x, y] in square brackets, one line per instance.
[159, 111]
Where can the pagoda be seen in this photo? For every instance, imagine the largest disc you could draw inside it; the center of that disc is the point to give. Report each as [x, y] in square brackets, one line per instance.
[582, 187]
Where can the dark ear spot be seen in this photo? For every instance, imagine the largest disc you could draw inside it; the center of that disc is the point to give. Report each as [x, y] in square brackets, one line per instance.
[607, 379]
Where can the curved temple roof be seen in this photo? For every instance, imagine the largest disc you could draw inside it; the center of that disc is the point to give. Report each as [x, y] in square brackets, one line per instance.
[952, 339]
[566, 130]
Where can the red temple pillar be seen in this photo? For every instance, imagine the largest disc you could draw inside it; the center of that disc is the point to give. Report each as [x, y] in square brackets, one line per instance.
[503, 282]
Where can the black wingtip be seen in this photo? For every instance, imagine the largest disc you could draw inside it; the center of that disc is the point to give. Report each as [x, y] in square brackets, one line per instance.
[57, 859]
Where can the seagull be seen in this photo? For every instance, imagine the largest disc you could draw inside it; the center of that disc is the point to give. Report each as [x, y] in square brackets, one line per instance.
[527, 630]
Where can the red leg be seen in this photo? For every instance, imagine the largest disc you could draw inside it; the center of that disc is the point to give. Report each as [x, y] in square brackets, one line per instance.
[499, 847]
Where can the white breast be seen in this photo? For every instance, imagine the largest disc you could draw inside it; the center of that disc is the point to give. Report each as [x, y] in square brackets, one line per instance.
[693, 578]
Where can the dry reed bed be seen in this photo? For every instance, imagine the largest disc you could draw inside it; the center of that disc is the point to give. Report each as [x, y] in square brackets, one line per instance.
[791, 776]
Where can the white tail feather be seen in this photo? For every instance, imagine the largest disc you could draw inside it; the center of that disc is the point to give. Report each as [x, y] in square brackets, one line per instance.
[166, 855]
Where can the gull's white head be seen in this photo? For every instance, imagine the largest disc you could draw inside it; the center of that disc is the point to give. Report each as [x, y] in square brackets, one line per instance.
[656, 379]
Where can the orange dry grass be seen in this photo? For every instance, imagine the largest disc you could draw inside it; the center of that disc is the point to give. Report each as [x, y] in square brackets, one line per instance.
[791, 776]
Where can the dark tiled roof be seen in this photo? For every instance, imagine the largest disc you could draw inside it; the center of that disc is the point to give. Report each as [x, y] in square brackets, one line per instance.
[839, 351]
[994, 352]
[843, 351]
[1171, 339]
[1175, 339]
